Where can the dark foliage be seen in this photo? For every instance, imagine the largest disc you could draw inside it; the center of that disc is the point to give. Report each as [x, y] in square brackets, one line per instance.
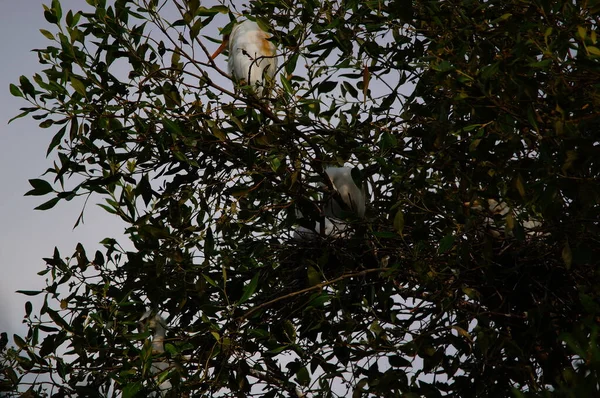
[474, 274]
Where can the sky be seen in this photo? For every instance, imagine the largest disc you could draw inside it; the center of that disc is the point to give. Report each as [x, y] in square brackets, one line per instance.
[28, 235]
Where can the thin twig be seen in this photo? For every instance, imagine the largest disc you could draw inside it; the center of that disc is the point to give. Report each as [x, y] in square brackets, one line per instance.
[309, 289]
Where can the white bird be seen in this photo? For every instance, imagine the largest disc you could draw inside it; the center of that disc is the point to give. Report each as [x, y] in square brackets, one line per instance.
[532, 226]
[331, 228]
[354, 199]
[158, 325]
[252, 59]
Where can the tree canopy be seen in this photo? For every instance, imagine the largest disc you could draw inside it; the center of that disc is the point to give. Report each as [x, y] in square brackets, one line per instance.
[474, 126]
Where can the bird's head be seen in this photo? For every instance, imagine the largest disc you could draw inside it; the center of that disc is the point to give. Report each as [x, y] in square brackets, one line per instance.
[222, 47]
[226, 36]
[153, 321]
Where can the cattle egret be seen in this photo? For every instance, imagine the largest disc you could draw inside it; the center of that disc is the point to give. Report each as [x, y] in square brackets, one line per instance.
[532, 226]
[252, 58]
[354, 201]
[354, 198]
[331, 227]
[158, 326]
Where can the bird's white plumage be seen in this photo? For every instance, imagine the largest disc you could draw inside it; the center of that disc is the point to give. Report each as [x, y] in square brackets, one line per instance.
[252, 59]
[158, 326]
[331, 228]
[354, 197]
[497, 229]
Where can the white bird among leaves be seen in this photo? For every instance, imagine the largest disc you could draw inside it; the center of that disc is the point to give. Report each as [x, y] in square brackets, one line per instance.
[157, 325]
[531, 226]
[252, 59]
[353, 199]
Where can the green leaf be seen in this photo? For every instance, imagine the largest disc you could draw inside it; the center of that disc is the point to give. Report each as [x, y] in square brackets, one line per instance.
[209, 243]
[46, 123]
[519, 185]
[399, 362]
[287, 86]
[15, 91]
[303, 376]
[145, 189]
[58, 319]
[50, 17]
[387, 102]
[209, 280]
[388, 141]
[48, 205]
[56, 9]
[290, 65]
[48, 34]
[98, 258]
[314, 276]
[205, 12]
[28, 308]
[327, 86]
[290, 331]
[319, 299]
[19, 116]
[19, 342]
[376, 328]
[193, 6]
[171, 126]
[446, 243]
[593, 50]
[532, 119]
[471, 293]
[26, 86]
[250, 289]
[40, 187]
[350, 89]
[78, 86]
[56, 139]
[399, 222]
[29, 292]
[275, 163]
[131, 389]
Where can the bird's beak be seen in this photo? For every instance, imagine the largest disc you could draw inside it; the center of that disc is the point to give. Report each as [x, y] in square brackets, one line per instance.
[220, 49]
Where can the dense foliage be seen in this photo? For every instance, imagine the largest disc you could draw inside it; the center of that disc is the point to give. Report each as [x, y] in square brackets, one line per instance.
[474, 274]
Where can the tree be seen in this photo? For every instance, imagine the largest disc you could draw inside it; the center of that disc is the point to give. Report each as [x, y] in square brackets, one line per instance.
[474, 273]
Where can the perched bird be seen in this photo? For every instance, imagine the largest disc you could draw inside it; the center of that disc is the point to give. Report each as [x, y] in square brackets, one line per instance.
[157, 325]
[331, 228]
[252, 59]
[348, 199]
[354, 198]
[532, 226]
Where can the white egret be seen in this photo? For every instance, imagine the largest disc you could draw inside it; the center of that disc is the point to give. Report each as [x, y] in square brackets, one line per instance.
[531, 226]
[158, 325]
[331, 227]
[354, 201]
[354, 198]
[252, 59]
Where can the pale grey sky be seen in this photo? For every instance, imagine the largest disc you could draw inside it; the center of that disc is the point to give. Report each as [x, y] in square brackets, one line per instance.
[27, 235]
